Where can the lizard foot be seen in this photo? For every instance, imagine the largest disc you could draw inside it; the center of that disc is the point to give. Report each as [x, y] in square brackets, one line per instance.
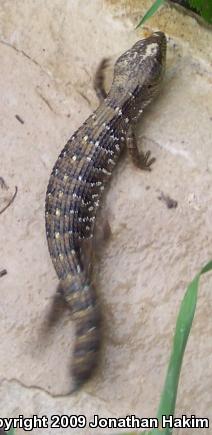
[145, 162]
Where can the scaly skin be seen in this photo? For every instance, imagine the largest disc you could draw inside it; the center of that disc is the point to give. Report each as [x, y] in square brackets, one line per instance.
[78, 180]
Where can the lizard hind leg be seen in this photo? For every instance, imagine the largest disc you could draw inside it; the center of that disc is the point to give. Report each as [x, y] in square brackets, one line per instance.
[56, 311]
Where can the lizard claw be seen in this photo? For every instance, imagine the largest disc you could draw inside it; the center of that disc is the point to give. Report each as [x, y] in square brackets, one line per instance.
[146, 162]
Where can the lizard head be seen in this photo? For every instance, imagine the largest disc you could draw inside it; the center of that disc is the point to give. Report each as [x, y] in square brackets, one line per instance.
[139, 70]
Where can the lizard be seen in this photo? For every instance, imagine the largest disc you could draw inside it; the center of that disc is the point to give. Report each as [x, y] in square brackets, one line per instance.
[78, 180]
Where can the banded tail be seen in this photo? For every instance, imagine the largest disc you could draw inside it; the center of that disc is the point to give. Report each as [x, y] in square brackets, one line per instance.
[81, 298]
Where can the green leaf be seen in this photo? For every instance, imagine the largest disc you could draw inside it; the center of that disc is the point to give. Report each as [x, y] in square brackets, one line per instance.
[183, 327]
[182, 331]
[204, 7]
[151, 11]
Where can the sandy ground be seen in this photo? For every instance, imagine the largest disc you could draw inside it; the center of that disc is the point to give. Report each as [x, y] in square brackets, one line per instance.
[49, 51]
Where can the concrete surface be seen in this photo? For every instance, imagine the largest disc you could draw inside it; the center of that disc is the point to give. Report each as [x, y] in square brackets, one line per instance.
[49, 51]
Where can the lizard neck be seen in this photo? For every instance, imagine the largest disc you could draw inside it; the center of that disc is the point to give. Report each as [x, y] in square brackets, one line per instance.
[129, 104]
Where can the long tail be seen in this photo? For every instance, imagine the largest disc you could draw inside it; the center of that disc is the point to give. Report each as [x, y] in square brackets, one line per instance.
[87, 345]
[84, 307]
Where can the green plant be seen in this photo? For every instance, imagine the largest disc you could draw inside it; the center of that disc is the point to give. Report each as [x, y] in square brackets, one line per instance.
[10, 432]
[204, 7]
[151, 11]
[182, 331]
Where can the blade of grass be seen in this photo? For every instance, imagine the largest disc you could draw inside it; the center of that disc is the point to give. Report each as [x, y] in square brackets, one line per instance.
[182, 331]
[151, 11]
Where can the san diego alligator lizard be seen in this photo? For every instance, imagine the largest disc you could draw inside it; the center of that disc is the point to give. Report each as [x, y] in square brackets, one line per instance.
[78, 180]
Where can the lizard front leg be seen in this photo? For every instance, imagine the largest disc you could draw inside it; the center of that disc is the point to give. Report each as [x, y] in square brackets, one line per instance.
[141, 160]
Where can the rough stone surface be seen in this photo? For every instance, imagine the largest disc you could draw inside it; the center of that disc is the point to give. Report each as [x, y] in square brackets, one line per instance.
[49, 51]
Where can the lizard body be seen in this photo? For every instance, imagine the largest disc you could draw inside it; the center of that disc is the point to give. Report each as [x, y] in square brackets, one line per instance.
[78, 179]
